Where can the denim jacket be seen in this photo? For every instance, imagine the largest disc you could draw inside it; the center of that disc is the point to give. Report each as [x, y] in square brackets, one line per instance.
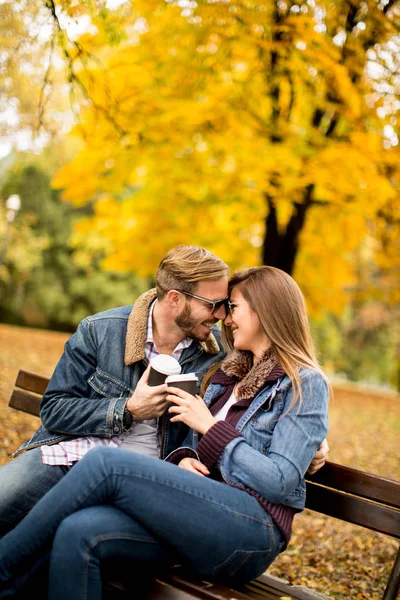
[275, 448]
[99, 370]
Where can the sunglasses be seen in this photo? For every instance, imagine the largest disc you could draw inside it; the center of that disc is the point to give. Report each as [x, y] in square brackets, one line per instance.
[213, 304]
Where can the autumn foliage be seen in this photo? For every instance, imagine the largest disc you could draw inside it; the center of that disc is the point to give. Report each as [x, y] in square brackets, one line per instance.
[264, 131]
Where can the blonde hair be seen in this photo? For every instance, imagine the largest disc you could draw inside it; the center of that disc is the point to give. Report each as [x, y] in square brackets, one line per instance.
[184, 266]
[281, 309]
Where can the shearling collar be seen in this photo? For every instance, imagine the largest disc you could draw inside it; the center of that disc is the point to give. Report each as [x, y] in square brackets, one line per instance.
[137, 326]
[252, 377]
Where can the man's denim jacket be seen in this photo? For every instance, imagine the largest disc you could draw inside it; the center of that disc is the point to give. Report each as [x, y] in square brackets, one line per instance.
[276, 446]
[99, 370]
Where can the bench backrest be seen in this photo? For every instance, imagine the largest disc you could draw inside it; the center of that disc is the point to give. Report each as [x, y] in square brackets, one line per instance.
[337, 491]
[28, 392]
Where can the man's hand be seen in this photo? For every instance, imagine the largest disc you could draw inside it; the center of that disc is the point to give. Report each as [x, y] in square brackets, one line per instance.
[319, 459]
[147, 402]
[194, 466]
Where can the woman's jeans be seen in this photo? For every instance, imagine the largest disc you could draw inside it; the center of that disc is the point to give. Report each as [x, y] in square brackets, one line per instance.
[116, 505]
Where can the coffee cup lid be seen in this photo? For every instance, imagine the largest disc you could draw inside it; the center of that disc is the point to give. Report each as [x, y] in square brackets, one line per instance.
[166, 364]
[182, 377]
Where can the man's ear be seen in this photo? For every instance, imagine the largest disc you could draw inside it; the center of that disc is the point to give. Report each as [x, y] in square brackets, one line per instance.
[174, 298]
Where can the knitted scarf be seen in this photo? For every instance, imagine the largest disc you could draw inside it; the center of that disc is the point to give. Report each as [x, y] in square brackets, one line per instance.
[239, 368]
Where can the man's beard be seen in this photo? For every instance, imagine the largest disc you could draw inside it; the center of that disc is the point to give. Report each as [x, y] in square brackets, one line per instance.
[190, 326]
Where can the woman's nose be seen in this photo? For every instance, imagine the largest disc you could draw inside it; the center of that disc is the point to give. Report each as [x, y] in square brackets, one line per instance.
[228, 320]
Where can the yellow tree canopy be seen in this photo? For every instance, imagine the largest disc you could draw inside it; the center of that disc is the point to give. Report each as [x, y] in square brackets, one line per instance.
[263, 130]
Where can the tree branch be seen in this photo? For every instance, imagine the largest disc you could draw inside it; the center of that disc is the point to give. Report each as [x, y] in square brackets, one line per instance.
[74, 77]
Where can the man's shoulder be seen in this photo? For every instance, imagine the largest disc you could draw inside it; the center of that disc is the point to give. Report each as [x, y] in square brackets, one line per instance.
[120, 312]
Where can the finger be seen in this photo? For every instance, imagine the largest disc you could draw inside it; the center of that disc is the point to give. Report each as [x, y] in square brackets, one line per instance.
[176, 419]
[158, 389]
[324, 447]
[201, 468]
[145, 377]
[192, 470]
[197, 467]
[178, 392]
[315, 466]
[160, 397]
[175, 410]
[312, 468]
[321, 455]
[175, 399]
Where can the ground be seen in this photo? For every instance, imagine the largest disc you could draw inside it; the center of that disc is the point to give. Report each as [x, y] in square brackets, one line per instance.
[341, 560]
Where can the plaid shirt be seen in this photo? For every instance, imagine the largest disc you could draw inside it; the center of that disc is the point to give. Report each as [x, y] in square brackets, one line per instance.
[70, 451]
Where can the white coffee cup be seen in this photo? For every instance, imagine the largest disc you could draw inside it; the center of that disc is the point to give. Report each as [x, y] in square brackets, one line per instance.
[162, 365]
[184, 381]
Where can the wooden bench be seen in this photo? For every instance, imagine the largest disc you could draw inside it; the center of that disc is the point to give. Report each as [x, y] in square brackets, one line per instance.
[337, 491]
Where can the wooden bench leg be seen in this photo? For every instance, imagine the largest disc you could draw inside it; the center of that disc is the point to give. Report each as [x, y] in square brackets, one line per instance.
[393, 585]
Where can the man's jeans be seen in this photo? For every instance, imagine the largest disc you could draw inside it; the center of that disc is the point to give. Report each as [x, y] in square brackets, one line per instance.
[23, 482]
[116, 504]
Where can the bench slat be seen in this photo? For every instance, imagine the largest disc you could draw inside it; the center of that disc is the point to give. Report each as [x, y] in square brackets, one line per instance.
[157, 589]
[348, 508]
[32, 382]
[360, 483]
[25, 401]
[201, 588]
[282, 588]
[209, 589]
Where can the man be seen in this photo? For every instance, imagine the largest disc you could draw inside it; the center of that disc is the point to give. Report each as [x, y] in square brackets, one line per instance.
[98, 393]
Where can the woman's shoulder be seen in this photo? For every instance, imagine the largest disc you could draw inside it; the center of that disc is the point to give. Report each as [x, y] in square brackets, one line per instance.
[315, 381]
[312, 373]
[309, 376]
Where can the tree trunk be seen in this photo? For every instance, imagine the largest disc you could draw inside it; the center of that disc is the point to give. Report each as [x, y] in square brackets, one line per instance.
[280, 247]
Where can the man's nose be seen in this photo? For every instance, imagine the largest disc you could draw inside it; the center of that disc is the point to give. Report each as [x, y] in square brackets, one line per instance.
[220, 312]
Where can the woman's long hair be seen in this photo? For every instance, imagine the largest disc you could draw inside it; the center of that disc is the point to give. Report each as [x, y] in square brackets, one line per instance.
[280, 306]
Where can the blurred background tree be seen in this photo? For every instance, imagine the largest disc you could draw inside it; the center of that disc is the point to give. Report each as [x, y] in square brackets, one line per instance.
[47, 277]
[266, 131]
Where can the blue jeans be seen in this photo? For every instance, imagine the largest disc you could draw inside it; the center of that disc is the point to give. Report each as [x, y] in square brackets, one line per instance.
[119, 505]
[24, 481]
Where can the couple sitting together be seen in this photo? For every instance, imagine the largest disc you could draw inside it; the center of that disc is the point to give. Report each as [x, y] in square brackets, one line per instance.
[88, 494]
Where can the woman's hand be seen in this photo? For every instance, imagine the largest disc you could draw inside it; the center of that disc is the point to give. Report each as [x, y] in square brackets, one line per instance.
[320, 458]
[194, 466]
[190, 410]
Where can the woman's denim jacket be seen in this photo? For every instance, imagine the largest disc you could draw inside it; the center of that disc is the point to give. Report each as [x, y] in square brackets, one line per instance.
[276, 446]
[91, 383]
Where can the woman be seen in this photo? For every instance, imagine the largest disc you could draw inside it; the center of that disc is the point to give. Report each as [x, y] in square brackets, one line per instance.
[227, 512]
